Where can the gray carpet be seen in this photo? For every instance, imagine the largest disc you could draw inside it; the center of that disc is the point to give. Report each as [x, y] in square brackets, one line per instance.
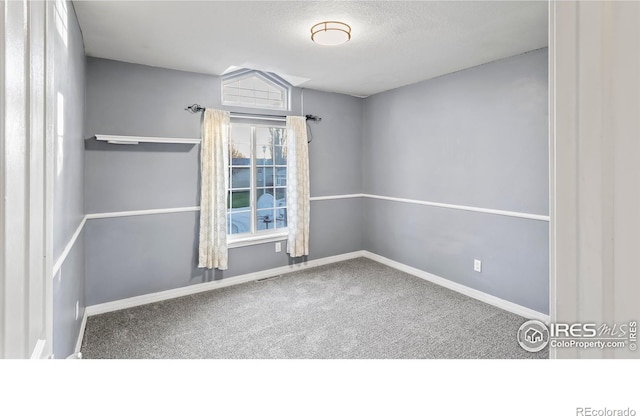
[352, 309]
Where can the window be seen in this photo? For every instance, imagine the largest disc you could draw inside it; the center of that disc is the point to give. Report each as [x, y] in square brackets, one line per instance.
[257, 203]
[249, 88]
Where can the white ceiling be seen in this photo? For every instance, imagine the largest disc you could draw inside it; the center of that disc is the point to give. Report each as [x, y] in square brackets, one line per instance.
[393, 43]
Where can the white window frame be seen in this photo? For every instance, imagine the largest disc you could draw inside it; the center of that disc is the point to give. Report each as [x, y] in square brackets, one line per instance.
[255, 236]
[272, 79]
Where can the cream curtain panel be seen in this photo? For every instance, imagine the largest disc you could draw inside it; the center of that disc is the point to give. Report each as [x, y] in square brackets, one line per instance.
[214, 170]
[298, 206]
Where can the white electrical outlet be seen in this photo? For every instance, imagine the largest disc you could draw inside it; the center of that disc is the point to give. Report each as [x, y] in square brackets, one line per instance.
[477, 265]
[77, 309]
[278, 247]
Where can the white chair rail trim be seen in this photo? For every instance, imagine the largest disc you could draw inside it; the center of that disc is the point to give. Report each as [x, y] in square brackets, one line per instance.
[515, 214]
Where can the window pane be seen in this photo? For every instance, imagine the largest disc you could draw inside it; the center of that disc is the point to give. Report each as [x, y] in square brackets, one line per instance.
[264, 155]
[281, 218]
[264, 198]
[281, 177]
[240, 199]
[275, 95]
[240, 154]
[240, 178]
[239, 222]
[240, 133]
[277, 136]
[266, 138]
[280, 155]
[264, 176]
[265, 219]
[281, 197]
[231, 93]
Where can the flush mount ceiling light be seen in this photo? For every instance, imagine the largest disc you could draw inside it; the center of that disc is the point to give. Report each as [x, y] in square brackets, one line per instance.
[330, 33]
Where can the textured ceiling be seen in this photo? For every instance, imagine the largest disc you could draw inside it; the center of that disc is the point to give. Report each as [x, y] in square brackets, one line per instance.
[393, 43]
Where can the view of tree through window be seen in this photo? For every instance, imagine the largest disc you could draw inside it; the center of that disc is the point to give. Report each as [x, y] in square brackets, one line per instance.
[257, 179]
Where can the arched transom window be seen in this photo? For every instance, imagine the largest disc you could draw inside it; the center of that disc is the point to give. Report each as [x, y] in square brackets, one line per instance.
[250, 88]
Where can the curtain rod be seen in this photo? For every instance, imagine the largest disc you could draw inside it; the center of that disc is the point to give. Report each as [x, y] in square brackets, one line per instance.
[196, 108]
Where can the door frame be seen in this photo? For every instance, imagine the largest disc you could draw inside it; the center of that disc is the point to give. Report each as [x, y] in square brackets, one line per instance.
[26, 184]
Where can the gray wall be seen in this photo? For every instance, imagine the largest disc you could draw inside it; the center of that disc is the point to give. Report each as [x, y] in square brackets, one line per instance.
[69, 287]
[479, 138]
[335, 152]
[68, 187]
[130, 256]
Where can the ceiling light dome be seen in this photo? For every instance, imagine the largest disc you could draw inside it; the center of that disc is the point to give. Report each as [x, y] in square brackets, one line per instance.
[330, 33]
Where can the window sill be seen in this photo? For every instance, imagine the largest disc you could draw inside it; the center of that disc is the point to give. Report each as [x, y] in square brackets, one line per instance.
[253, 240]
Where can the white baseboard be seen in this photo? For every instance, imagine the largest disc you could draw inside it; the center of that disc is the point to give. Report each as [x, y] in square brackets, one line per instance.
[250, 277]
[217, 284]
[457, 287]
[81, 334]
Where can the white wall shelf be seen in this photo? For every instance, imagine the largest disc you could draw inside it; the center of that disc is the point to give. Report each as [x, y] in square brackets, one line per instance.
[139, 139]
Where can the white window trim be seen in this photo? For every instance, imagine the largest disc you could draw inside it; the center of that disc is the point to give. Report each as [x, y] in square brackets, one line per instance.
[256, 239]
[254, 236]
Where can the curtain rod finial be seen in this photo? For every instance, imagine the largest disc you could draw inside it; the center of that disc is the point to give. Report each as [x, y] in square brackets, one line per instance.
[194, 108]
